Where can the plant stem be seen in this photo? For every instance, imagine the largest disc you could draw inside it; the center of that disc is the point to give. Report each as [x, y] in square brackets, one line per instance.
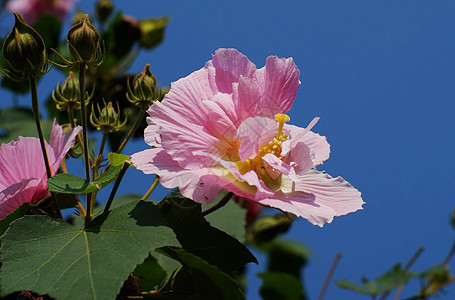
[132, 130]
[73, 125]
[152, 187]
[88, 215]
[116, 185]
[84, 119]
[219, 205]
[329, 276]
[35, 108]
[406, 267]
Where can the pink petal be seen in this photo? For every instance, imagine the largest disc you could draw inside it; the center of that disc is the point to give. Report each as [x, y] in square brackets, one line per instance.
[280, 83]
[180, 138]
[22, 160]
[197, 184]
[61, 144]
[299, 155]
[254, 133]
[318, 144]
[280, 166]
[247, 98]
[230, 64]
[151, 134]
[16, 194]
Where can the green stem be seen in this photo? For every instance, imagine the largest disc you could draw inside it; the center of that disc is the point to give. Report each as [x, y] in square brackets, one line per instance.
[132, 130]
[84, 119]
[116, 185]
[103, 142]
[88, 216]
[219, 205]
[35, 108]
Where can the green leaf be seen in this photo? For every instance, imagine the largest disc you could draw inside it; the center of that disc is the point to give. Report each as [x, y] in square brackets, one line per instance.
[199, 238]
[21, 211]
[152, 32]
[63, 261]
[117, 159]
[70, 184]
[276, 285]
[230, 219]
[49, 28]
[208, 280]
[386, 282]
[19, 121]
[150, 274]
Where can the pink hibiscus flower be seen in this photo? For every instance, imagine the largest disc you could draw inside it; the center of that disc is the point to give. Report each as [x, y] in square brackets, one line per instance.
[30, 10]
[23, 174]
[223, 127]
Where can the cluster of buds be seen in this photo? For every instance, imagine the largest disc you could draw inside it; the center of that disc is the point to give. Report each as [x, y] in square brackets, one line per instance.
[25, 51]
[144, 91]
[67, 95]
[83, 43]
[108, 119]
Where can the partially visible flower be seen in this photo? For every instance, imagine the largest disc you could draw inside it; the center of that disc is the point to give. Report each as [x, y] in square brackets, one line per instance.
[223, 127]
[23, 174]
[30, 10]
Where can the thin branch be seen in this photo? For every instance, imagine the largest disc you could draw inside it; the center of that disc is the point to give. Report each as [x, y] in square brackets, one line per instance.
[329, 276]
[116, 185]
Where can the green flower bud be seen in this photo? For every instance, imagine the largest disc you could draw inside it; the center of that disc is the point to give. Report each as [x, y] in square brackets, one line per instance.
[24, 48]
[84, 40]
[67, 95]
[108, 119]
[144, 84]
[104, 9]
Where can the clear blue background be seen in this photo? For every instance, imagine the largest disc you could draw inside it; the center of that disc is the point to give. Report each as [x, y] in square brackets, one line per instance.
[381, 75]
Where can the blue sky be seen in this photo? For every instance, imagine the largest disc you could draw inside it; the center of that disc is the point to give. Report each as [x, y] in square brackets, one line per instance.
[381, 75]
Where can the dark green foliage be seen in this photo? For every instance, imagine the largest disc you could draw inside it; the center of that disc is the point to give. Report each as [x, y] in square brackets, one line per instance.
[86, 264]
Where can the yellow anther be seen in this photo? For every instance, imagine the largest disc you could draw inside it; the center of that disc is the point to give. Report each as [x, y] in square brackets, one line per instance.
[281, 119]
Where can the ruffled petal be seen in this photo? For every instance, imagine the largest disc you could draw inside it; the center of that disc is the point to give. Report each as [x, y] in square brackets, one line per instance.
[197, 184]
[281, 81]
[254, 133]
[151, 134]
[247, 98]
[230, 64]
[180, 138]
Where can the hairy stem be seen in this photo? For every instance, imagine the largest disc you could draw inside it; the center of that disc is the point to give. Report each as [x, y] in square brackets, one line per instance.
[35, 107]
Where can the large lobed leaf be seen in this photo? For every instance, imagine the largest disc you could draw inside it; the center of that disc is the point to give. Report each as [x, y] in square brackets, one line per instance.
[53, 257]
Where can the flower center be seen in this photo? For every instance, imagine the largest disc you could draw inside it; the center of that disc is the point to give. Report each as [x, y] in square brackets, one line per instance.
[273, 147]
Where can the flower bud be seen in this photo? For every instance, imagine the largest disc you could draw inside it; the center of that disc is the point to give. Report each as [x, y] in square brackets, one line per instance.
[104, 9]
[24, 48]
[84, 39]
[67, 95]
[144, 84]
[108, 119]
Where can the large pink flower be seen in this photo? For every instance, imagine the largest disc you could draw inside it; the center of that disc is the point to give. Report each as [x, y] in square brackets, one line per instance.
[30, 10]
[223, 127]
[23, 173]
